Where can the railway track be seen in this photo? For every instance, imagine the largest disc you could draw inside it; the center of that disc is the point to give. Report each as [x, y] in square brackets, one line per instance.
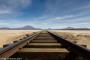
[44, 45]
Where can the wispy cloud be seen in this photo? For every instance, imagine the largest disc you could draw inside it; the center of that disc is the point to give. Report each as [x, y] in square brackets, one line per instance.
[64, 7]
[45, 13]
[5, 12]
[11, 6]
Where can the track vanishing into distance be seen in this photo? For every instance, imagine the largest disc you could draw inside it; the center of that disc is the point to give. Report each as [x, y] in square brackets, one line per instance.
[44, 45]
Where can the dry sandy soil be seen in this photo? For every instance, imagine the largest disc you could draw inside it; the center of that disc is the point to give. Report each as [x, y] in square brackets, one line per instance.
[7, 36]
[82, 37]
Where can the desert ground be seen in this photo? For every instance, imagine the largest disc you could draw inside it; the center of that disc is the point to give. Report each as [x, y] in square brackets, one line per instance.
[82, 37]
[8, 36]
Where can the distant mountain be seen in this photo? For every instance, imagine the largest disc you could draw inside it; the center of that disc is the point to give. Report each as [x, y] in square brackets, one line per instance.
[4, 28]
[72, 28]
[20, 28]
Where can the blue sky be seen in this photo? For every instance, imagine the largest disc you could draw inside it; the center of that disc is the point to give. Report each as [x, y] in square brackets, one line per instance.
[45, 13]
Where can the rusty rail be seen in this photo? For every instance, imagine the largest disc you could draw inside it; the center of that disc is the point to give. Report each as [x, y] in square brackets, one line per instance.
[85, 53]
[13, 48]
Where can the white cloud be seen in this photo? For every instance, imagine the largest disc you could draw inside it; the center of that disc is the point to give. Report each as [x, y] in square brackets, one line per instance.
[25, 3]
[15, 3]
[64, 17]
[63, 7]
[11, 6]
[19, 3]
[60, 18]
[5, 12]
[85, 7]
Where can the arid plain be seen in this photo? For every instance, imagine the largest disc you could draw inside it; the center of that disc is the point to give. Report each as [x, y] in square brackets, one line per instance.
[8, 36]
[82, 37]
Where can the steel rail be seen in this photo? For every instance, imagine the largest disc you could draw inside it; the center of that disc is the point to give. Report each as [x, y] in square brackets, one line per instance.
[12, 49]
[84, 52]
